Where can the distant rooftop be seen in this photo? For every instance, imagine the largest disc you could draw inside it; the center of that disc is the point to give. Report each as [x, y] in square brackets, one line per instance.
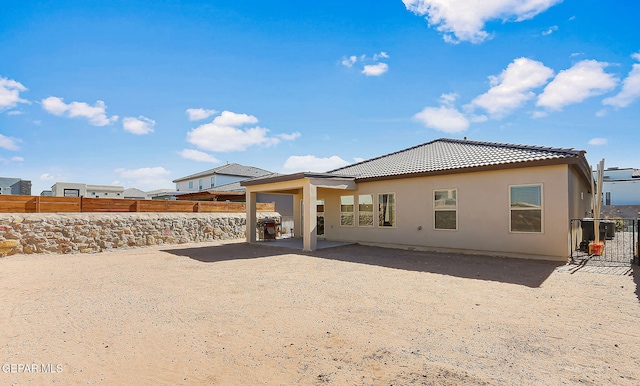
[232, 169]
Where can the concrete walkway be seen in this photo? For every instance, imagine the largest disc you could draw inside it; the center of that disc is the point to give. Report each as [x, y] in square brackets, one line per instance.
[296, 243]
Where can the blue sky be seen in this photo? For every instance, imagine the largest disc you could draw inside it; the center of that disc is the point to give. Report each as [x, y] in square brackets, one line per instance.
[141, 93]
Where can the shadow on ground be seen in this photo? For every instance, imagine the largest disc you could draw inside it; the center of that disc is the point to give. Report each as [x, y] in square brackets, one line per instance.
[225, 252]
[530, 273]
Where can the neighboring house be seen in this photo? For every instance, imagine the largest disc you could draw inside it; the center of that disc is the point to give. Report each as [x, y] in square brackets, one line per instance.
[235, 192]
[446, 195]
[15, 186]
[135, 194]
[70, 189]
[621, 186]
[219, 176]
[162, 194]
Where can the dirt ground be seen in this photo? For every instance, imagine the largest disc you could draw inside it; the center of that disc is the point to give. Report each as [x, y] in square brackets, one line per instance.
[237, 314]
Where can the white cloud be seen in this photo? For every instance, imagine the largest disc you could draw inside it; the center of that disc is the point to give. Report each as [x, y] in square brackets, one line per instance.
[513, 86]
[10, 93]
[539, 114]
[15, 112]
[197, 155]
[199, 114]
[464, 20]
[289, 137]
[8, 143]
[375, 69]
[630, 90]
[228, 118]
[549, 31]
[95, 114]
[598, 141]
[444, 118]
[16, 159]
[449, 98]
[478, 118]
[224, 134]
[145, 178]
[382, 54]
[585, 79]
[636, 56]
[47, 177]
[349, 61]
[306, 163]
[139, 126]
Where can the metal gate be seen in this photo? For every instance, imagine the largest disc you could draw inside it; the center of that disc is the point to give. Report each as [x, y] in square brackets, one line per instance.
[619, 239]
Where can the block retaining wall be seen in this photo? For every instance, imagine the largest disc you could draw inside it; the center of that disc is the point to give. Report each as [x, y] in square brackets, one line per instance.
[96, 232]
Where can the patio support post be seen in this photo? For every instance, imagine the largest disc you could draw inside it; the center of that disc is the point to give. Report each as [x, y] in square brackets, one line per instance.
[310, 196]
[297, 215]
[251, 221]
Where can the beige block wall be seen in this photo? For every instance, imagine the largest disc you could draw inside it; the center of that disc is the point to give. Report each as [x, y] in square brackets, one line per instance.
[483, 213]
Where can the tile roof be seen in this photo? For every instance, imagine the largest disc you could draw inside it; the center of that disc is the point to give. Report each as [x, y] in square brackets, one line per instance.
[445, 154]
[233, 169]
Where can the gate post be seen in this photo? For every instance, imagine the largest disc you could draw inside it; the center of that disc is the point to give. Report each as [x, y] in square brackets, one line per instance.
[636, 247]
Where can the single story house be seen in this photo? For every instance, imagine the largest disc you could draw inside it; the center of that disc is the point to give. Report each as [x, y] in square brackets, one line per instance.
[444, 195]
[72, 189]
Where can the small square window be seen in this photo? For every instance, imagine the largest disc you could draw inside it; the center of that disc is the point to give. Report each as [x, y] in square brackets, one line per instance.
[525, 208]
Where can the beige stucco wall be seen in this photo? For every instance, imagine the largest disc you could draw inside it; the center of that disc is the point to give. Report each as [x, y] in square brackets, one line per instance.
[580, 206]
[483, 213]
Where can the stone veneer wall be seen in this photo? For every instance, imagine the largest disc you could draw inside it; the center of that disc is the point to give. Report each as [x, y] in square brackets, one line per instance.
[95, 232]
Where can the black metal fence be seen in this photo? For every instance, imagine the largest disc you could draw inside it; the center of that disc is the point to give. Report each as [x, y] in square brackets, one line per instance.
[618, 237]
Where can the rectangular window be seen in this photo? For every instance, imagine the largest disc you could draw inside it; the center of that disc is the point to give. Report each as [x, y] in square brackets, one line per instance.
[177, 187]
[607, 200]
[386, 210]
[346, 211]
[445, 207]
[71, 192]
[200, 184]
[190, 184]
[213, 182]
[365, 210]
[525, 208]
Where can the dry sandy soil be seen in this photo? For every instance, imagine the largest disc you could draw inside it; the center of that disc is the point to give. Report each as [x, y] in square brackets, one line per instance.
[236, 314]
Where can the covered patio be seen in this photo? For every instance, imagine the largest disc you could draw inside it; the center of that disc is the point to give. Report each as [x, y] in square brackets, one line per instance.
[304, 188]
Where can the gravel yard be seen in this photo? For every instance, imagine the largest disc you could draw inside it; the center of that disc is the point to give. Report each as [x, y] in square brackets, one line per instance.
[231, 313]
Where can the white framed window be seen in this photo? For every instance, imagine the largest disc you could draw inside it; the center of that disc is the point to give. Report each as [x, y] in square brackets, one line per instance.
[365, 210]
[200, 184]
[445, 209]
[525, 208]
[190, 184]
[387, 210]
[347, 207]
[213, 182]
